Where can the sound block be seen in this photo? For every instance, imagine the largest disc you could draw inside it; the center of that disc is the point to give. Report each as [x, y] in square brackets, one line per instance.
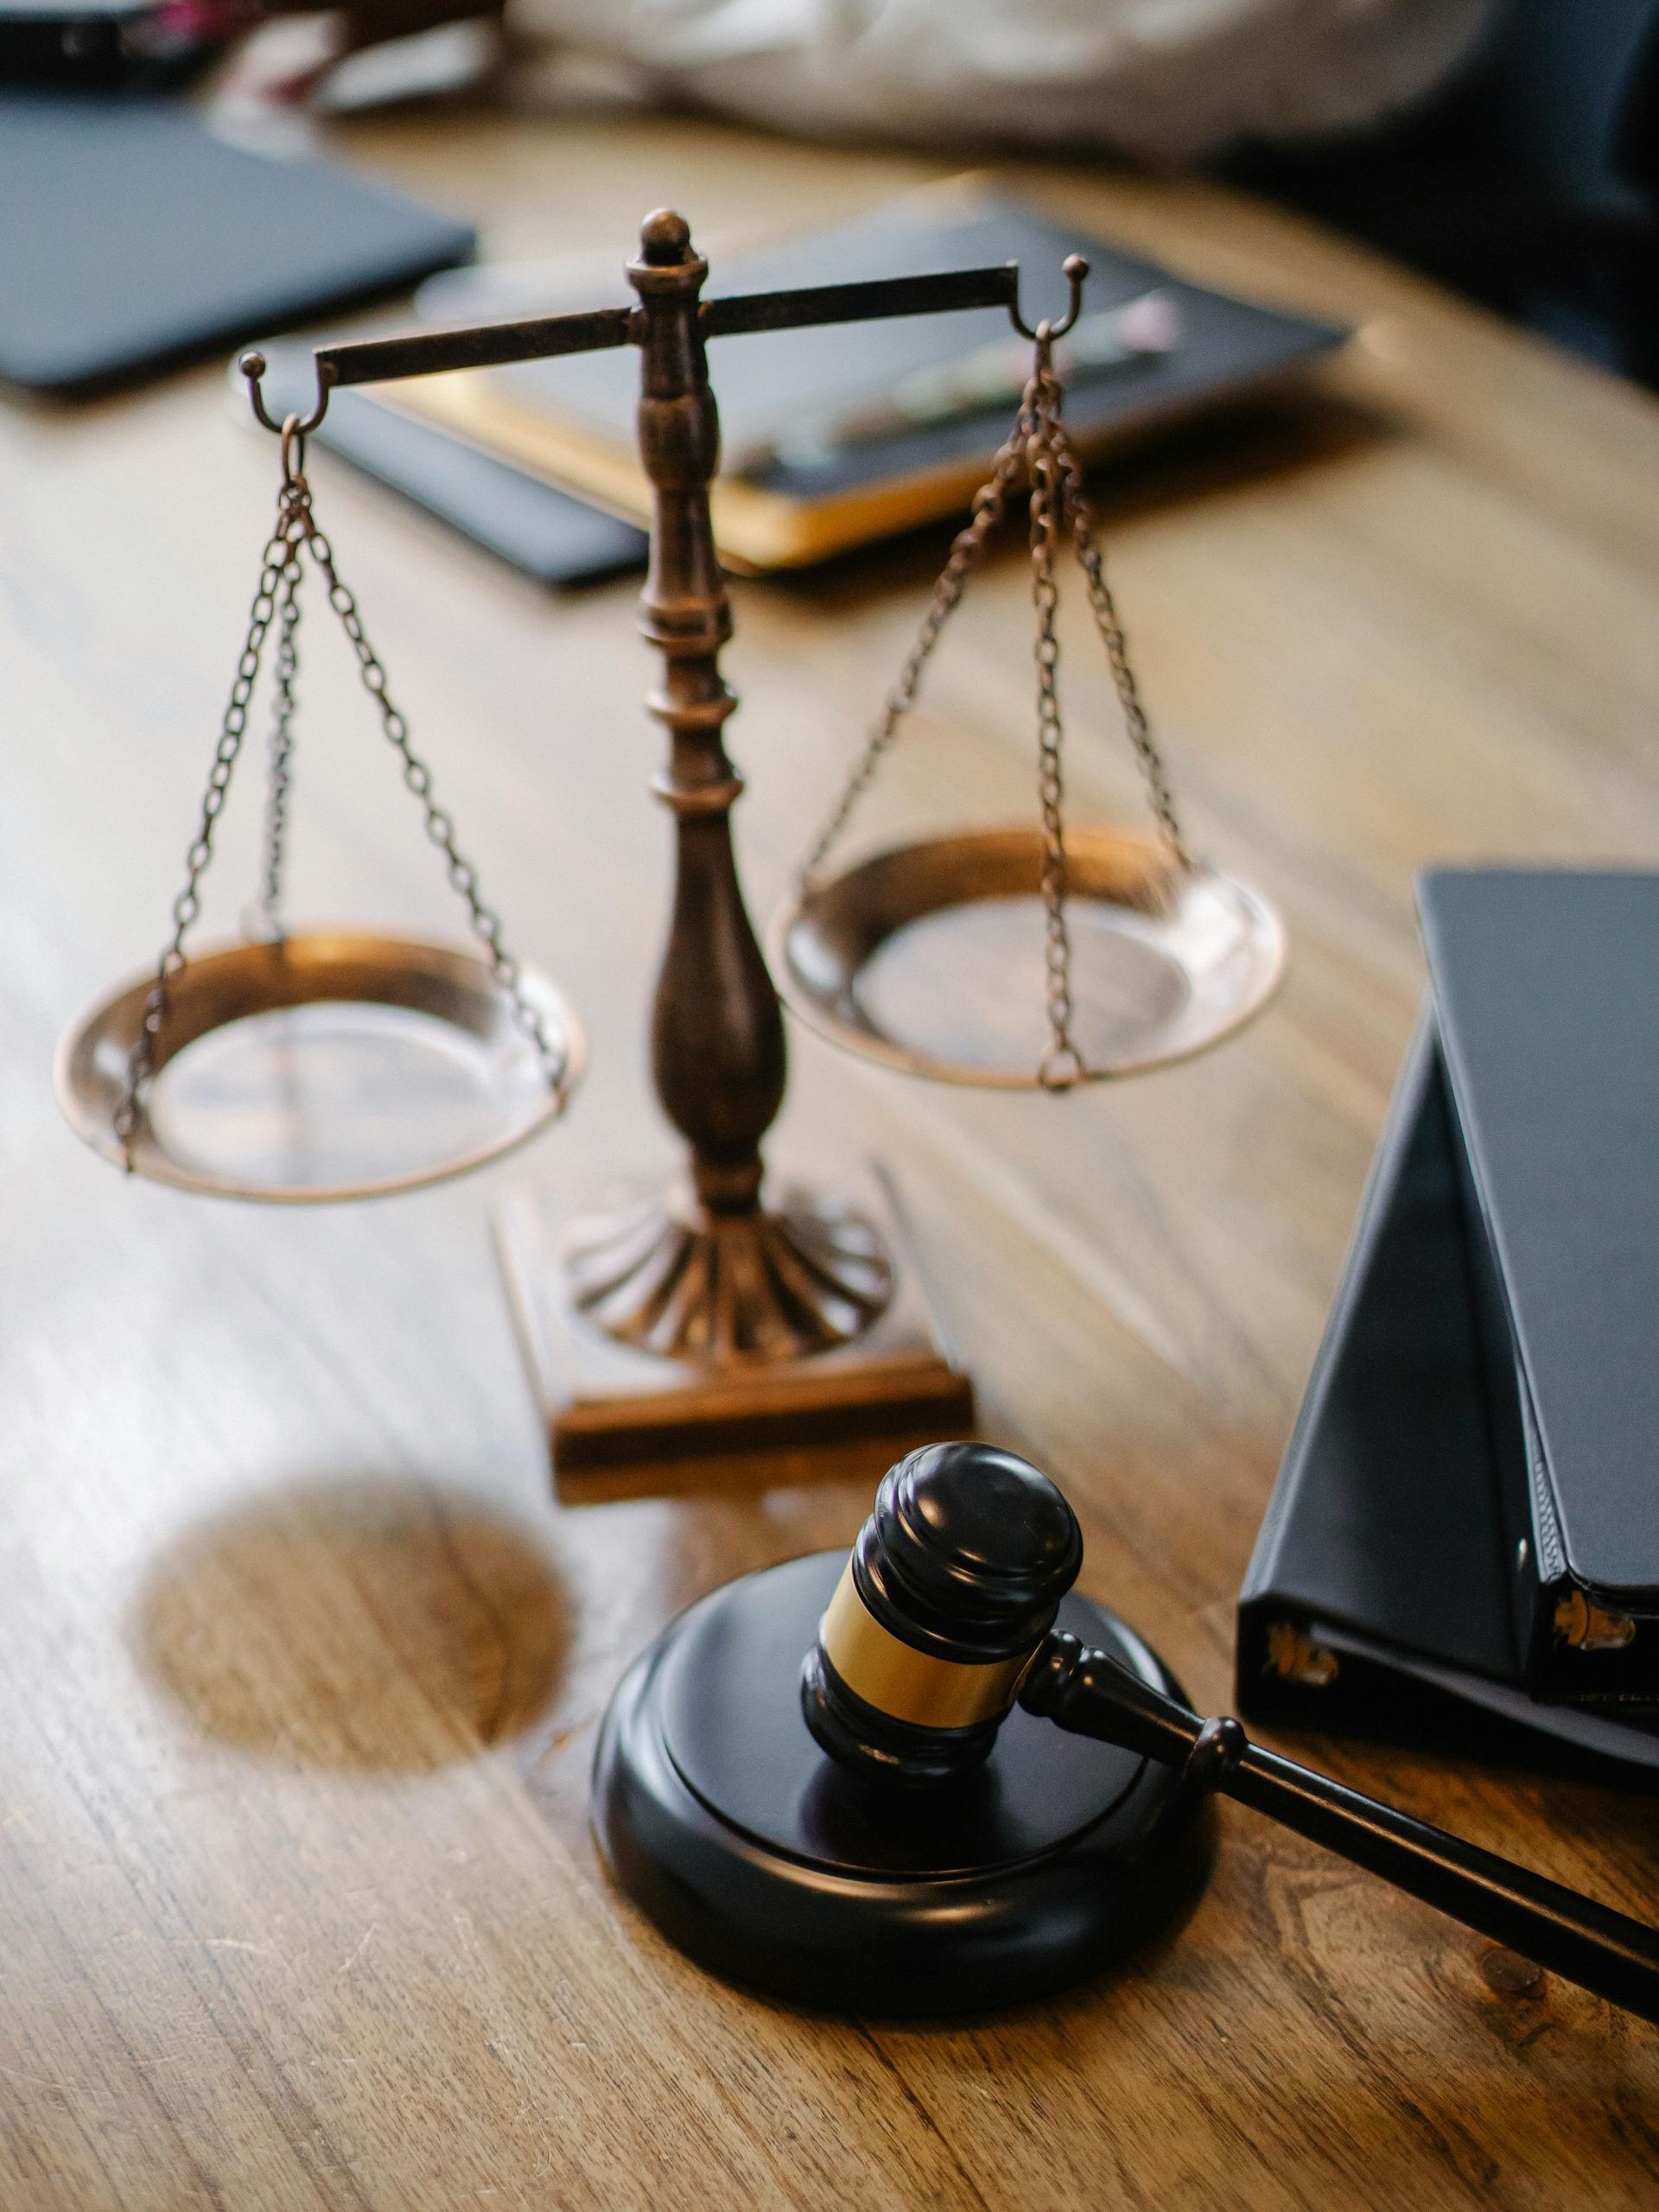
[775, 1868]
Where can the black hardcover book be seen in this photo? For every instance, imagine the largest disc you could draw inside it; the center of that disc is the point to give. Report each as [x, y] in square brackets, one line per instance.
[1465, 1533]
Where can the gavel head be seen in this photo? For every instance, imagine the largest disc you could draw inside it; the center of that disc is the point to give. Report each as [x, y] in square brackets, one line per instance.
[951, 1586]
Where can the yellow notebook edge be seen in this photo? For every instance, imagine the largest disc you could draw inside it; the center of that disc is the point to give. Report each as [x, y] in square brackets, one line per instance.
[755, 530]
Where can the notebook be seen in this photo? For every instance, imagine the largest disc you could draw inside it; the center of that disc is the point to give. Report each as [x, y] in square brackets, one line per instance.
[131, 240]
[789, 492]
[1466, 1521]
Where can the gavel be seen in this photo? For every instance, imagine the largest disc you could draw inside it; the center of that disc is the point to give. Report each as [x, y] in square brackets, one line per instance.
[943, 1622]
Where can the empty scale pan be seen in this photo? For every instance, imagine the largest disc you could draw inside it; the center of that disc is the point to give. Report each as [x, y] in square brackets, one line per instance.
[331, 1065]
[932, 958]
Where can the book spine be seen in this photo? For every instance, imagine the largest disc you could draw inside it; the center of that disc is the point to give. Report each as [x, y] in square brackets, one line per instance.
[1277, 1663]
[1525, 1512]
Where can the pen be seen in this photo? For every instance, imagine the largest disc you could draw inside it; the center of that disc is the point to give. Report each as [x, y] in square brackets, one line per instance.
[1115, 337]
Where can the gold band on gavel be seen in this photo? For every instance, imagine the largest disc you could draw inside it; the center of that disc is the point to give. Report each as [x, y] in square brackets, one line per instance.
[907, 1684]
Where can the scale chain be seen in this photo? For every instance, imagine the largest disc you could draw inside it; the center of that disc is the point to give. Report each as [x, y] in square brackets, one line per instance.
[1062, 1064]
[1081, 523]
[990, 503]
[278, 588]
[278, 554]
[281, 748]
[1038, 445]
[487, 924]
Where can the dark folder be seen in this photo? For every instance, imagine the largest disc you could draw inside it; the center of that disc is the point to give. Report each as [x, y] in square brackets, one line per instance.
[536, 528]
[1465, 1533]
[131, 238]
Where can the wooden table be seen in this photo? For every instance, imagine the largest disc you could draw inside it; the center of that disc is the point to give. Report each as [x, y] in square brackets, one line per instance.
[301, 1667]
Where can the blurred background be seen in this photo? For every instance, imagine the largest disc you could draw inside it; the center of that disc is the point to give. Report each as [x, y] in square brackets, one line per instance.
[1506, 147]
[1526, 179]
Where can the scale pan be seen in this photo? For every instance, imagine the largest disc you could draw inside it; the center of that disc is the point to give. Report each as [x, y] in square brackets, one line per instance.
[335, 1064]
[930, 958]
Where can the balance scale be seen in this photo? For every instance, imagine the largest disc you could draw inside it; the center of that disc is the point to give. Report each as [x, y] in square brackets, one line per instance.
[719, 1316]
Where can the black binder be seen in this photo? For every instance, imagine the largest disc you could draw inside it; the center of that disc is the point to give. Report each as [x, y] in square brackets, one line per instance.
[1463, 1544]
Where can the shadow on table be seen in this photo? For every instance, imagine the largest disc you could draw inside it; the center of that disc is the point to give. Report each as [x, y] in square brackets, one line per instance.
[355, 1624]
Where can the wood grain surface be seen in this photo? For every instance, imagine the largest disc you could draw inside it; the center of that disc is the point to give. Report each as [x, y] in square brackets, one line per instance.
[299, 1663]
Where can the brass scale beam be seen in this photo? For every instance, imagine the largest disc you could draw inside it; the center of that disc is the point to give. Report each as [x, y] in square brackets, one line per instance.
[718, 1052]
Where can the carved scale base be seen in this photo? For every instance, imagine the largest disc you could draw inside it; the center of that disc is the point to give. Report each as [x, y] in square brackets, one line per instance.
[775, 1868]
[685, 1282]
[671, 1347]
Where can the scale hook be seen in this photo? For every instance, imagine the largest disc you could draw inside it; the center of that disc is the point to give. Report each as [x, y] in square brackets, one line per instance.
[1076, 271]
[252, 366]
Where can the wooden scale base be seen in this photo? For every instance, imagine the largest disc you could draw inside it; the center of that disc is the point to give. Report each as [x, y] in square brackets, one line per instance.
[625, 1415]
[776, 1869]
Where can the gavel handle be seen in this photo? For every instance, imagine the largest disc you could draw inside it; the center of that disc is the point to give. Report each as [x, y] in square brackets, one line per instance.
[1602, 1951]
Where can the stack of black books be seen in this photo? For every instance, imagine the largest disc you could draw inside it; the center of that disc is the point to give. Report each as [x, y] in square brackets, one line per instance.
[1463, 1545]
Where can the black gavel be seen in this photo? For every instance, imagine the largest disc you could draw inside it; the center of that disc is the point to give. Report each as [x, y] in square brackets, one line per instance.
[944, 1619]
